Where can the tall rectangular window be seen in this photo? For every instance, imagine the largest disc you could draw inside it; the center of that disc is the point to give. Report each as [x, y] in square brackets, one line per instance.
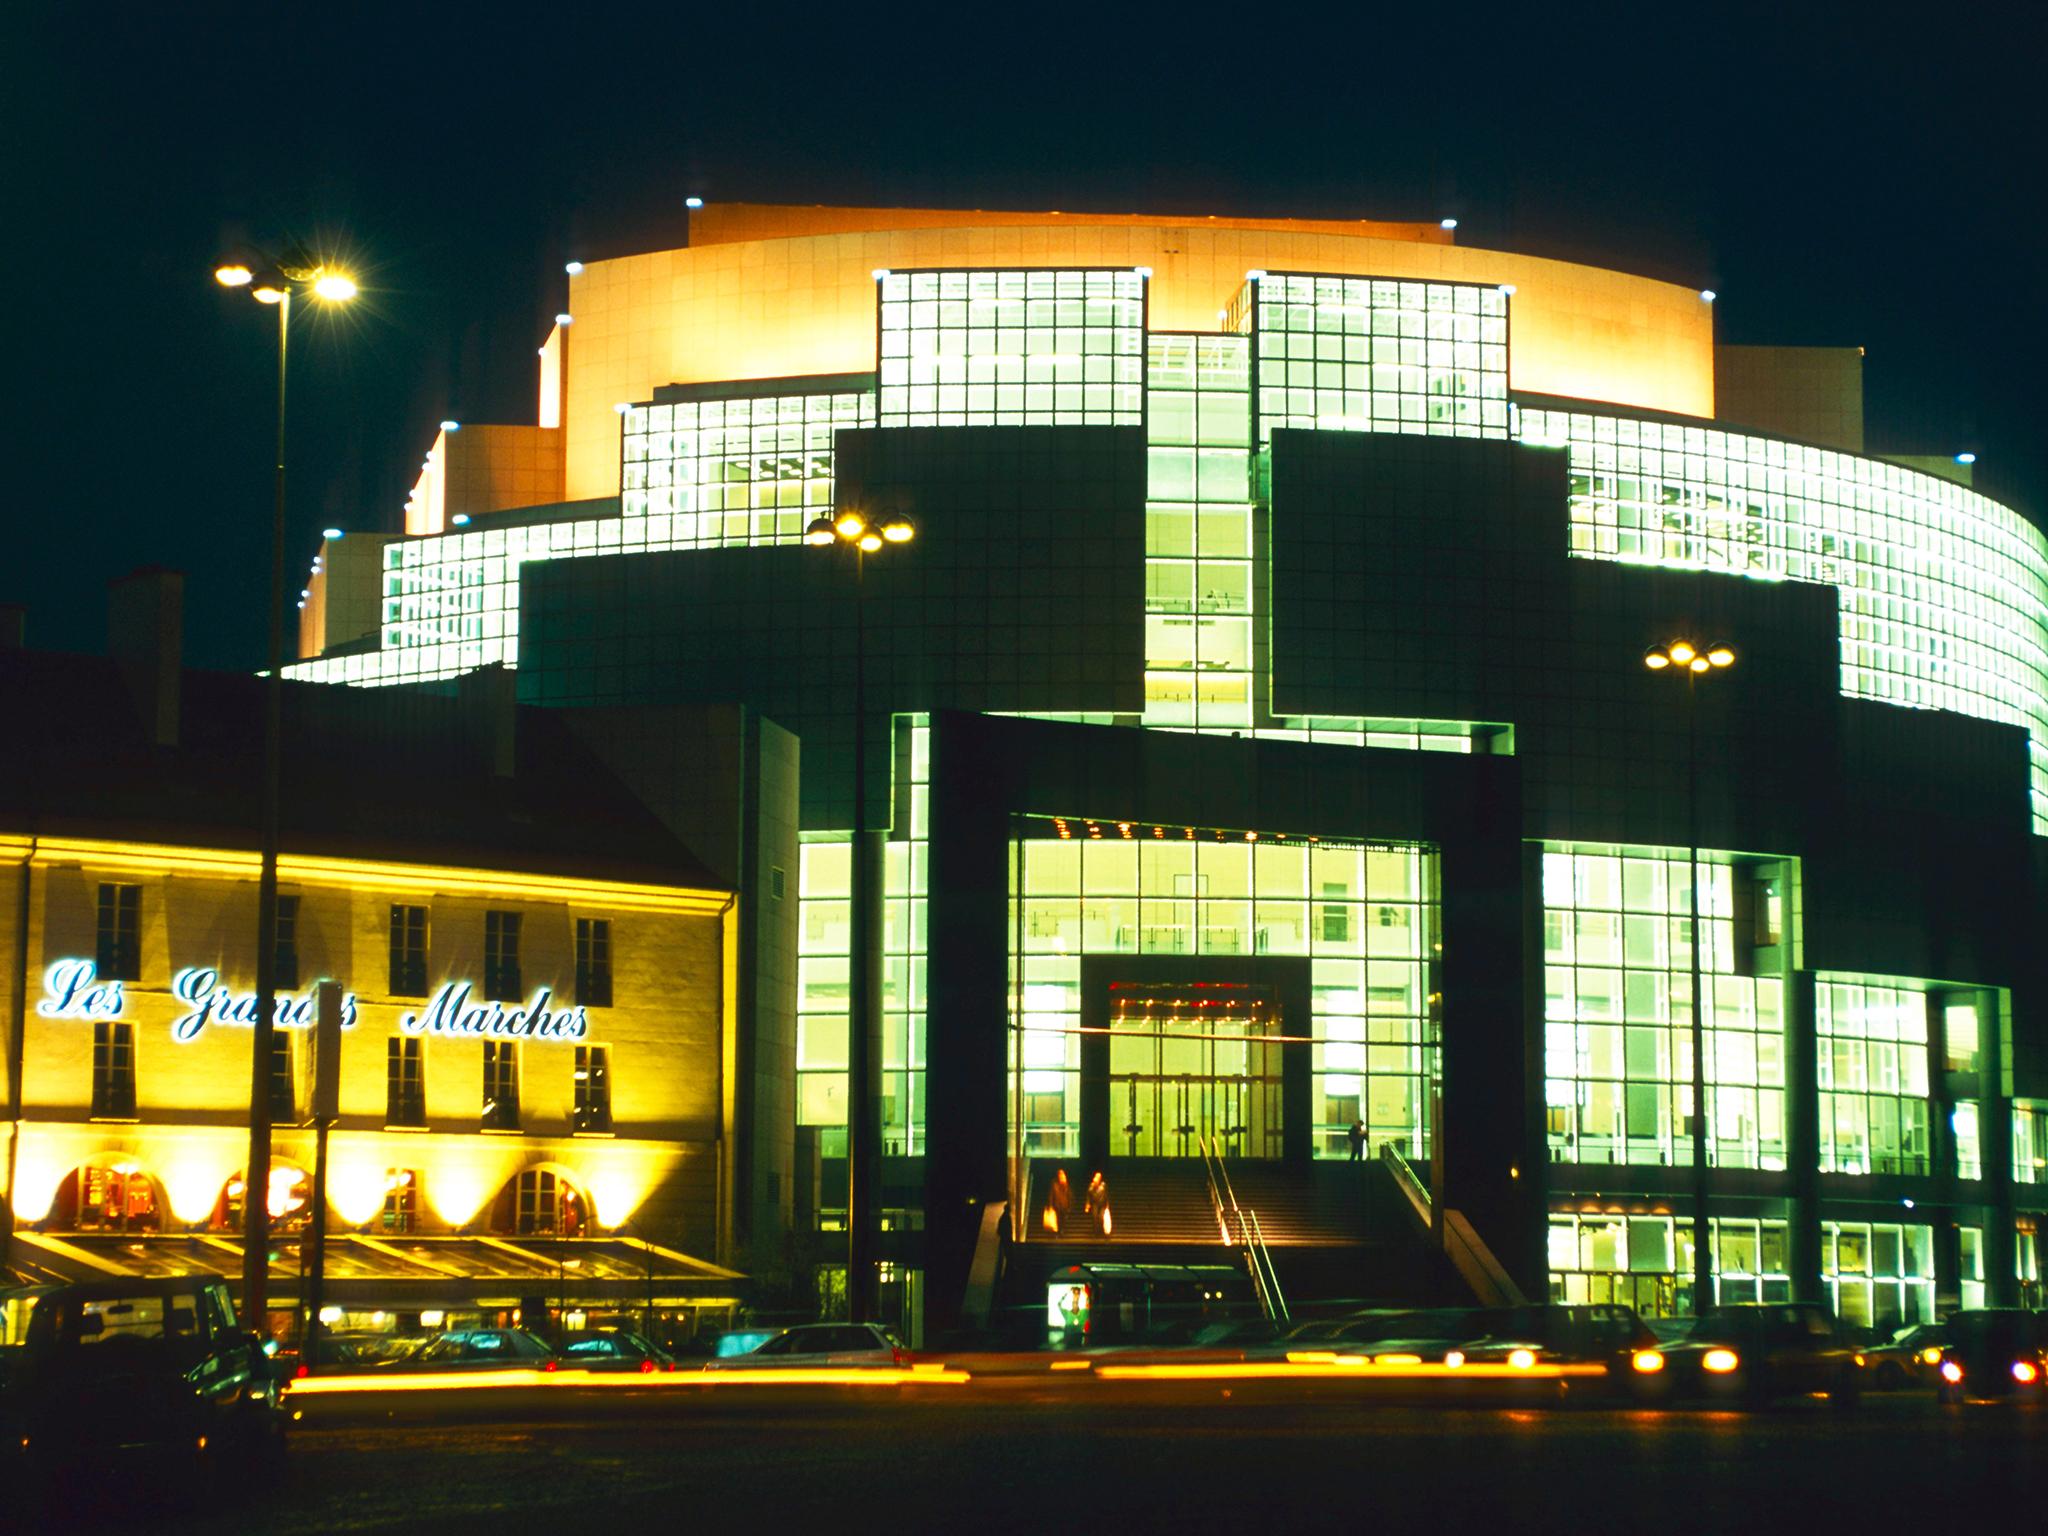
[408, 951]
[113, 1069]
[284, 1088]
[501, 957]
[501, 1086]
[405, 1086]
[286, 952]
[119, 955]
[594, 962]
[401, 1200]
[593, 1088]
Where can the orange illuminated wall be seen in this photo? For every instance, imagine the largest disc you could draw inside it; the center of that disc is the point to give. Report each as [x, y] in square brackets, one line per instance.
[483, 468]
[765, 292]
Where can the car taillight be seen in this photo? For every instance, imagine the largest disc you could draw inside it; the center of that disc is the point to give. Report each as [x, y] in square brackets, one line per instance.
[898, 1357]
[549, 1365]
[670, 1366]
[2025, 1372]
[1951, 1372]
[646, 1367]
[301, 1371]
[1720, 1361]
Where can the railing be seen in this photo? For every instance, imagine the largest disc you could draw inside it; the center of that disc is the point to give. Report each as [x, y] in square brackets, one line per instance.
[1462, 1244]
[1240, 1227]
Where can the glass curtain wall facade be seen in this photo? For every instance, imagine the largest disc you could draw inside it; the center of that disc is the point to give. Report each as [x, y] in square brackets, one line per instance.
[1363, 917]
[1943, 590]
[1617, 967]
[1646, 1261]
[1872, 1051]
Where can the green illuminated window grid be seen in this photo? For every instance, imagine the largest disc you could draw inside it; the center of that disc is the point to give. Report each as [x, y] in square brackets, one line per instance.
[2029, 1141]
[711, 473]
[1364, 917]
[1943, 590]
[1877, 1275]
[1372, 354]
[1872, 1065]
[1008, 347]
[1617, 939]
[1646, 1261]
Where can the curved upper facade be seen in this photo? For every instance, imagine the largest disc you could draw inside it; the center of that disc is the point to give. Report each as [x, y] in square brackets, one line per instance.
[766, 293]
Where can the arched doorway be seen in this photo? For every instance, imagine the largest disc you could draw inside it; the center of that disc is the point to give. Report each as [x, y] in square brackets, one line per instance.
[540, 1202]
[290, 1203]
[109, 1196]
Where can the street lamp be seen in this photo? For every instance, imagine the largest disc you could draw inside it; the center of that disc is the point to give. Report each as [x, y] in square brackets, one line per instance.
[271, 283]
[864, 536]
[1695, 663]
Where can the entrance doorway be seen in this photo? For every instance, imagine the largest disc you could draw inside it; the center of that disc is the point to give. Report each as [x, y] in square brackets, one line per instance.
[1191, 1063]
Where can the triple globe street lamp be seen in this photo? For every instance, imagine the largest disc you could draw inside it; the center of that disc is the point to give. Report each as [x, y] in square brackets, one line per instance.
[864, 536]
[271, 282]
[1695, 663]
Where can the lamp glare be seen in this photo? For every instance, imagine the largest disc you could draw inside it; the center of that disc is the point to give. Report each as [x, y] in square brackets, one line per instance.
[850, 525]
[268, 293]
[233, 275]
[870, 541]
[1656, 661]
[1682, 652]
[1721, 656]
[820, 531]
[1700, 664]
[898, 532]
[335, 287]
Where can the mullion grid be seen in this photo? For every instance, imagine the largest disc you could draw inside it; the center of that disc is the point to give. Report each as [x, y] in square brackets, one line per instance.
[1618, 1015]
[1363, 915]
[1376, 354]
[1872, 1077]
[1004, 346]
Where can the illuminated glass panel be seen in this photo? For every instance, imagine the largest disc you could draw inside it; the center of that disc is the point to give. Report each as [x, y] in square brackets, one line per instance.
[2029, 1141]
[995, 347]
[1877, 1275]
[1617, 972]
[1378, 354]
[1872, 1049]
[1364, 916]
[1943, 591]
[706, 473]
[1646, 1262]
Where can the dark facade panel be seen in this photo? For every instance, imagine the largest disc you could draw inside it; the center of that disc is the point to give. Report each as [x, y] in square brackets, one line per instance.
[1023, 591]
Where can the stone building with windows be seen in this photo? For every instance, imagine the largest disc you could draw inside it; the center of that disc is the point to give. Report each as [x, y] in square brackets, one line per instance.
[1262, 733]
[537, 977]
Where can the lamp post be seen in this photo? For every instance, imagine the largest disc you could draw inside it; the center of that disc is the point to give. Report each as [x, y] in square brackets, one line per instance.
[271, 284]
[1693, 663]
[855, 531]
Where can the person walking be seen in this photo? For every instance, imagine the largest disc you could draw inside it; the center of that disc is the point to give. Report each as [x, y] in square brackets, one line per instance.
[1357, 1141]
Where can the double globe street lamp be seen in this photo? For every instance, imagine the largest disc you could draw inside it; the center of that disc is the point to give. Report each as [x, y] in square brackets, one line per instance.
[864, 536]
[1695, 662]
[271, 282]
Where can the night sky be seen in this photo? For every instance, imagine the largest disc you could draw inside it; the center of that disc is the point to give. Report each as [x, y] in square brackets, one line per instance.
[1878, 186]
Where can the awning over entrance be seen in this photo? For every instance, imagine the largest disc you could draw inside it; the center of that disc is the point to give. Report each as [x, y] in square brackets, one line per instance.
[399, 1274]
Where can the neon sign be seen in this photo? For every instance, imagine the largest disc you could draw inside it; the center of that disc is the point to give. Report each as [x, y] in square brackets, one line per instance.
[450, 1013]
[72, 990]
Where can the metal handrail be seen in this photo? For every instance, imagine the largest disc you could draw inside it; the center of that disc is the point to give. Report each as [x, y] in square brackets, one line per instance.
[1279, 1302]
[1249, 1237]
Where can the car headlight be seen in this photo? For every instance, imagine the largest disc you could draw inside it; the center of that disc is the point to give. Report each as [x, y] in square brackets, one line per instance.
[1930, 1356]
[2025, 1372]
[1647, 1361]
[1951, 1372]
[1720, 1361]
[1454, 1360]
[1522, 1359]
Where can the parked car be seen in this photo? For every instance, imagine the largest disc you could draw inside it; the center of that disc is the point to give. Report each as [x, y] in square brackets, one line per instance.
[1757, 1351]
[477, 1349]
[812, 1345]
[1993, 1352]
[612, 1350]
[1908, 1358]
[1426, 1332]
[1610, 1336]
[150, 1374]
